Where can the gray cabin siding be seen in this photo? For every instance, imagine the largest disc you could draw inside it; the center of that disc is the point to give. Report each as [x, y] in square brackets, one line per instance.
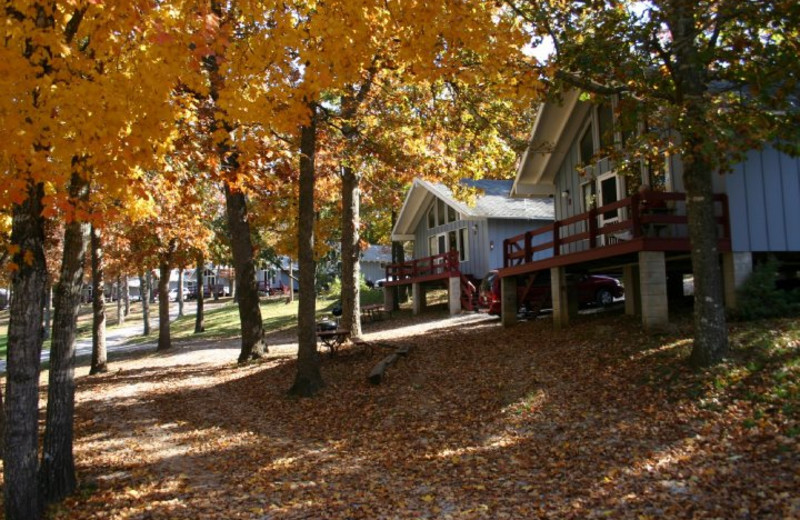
[476, 259]
[482, 233]
[570, 179]
[513, 227]
[764, 201]
[372, 271]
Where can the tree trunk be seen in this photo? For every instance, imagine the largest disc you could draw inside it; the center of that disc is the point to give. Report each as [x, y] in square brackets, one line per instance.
[144, 289]
[99, 357]
[164, 339]
[308, 380]
[710, 328]
[120, 314]
[2, 423]
[351, 267]
[244, 268]
[126, 295]
[48, 307]
[24, 353]
[180, 292]
[398, 257]
[711, 332]
[291, 281]
[57, 471]
[199, 320]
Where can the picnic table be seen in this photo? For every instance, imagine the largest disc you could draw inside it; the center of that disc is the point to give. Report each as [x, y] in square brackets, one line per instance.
[373, 311]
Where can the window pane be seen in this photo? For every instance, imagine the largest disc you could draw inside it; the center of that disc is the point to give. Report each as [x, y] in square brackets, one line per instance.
[432, 246]
[432, 217]
[439, 212]
[451, 214]
[608, 194]
[463, 249]
[587, 146]
[605, 124]
[589, 198]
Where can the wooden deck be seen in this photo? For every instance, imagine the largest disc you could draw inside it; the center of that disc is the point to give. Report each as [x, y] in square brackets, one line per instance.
[430, 268]
[621, 228]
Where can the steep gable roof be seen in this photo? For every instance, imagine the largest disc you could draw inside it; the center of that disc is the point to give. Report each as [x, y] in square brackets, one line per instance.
[494, 203]
[555, 126]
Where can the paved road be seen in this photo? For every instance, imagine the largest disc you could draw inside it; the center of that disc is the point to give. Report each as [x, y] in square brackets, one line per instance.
[117, 337]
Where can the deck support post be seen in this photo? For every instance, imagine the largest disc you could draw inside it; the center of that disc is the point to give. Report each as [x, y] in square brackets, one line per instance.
[736, 267]
[653, 289]
[418, 298]
[388, 298]
[508, 302]
[454, 291]
[560, 295]
[630, 281]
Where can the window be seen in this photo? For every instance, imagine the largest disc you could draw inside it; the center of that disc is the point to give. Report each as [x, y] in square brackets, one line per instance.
[440, 212]
[457, 240]
[463, 242]
[587, 145]
[432, 217]
[609, 193]
[451, 214]
[452, 241]
[605, 125]
[588, 195]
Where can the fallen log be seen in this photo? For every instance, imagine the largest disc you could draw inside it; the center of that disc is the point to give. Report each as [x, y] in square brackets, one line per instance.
[376, 375]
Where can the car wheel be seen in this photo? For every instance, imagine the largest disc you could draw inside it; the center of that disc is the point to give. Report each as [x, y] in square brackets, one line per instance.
[604, 297]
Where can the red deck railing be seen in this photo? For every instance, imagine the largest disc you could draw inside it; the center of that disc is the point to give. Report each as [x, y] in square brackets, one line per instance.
[635, 219]
[420, 269]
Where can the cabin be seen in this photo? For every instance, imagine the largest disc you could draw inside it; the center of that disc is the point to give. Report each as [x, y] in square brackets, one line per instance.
[456, 243]
[604, 223]
[373, 262]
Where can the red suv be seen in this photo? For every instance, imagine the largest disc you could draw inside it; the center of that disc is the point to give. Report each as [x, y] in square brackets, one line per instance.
[593, 289]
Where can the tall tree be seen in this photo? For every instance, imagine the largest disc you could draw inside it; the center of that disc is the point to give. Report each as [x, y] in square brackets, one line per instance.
[99, 362]
[120, 309]
[252, 346]
[24, 350]
[145, 288]
[179, 298]
[58, 65]
[721, 74]
[199, 322]
[57, 470]
[164, 270]
[308, 379]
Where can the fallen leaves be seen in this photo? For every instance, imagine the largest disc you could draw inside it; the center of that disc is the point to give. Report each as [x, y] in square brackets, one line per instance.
[599, 421]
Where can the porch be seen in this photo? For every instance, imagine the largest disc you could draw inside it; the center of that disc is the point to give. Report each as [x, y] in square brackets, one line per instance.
[423, 273]
[644, 238]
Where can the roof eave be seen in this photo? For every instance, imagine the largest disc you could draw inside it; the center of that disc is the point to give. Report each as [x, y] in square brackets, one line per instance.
[541, 159]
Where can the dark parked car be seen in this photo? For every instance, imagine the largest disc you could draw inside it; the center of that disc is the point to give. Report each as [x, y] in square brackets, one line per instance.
[592, 289]
[192, 293]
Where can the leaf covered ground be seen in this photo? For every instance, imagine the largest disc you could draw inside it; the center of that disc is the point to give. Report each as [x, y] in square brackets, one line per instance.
[598, 421]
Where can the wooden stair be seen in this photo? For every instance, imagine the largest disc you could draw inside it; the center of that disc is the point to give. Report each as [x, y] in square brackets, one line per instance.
[534, 303]
[469, 293]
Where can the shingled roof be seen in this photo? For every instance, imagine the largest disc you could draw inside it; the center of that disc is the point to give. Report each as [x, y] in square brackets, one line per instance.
[495, 202]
